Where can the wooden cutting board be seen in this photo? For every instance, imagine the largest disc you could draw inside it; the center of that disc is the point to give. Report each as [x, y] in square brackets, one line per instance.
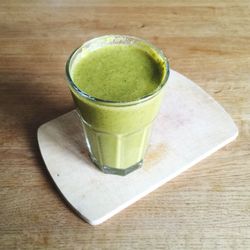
[191, 125]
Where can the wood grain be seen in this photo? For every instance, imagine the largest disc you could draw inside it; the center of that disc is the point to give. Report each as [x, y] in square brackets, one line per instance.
[208, 207]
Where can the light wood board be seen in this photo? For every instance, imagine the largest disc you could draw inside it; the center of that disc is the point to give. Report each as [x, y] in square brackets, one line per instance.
[191, 125]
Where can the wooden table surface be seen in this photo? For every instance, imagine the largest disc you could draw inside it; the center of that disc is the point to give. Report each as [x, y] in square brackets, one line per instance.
[207, 207]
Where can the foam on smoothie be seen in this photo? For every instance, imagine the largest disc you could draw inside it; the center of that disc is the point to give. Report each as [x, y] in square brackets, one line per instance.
[118, 73]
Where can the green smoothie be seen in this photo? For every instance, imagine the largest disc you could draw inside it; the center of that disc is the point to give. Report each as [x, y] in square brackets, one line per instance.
[118, 73]
[117, 90]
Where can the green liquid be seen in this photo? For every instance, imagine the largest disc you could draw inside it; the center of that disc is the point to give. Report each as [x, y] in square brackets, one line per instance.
[118, 73]
[118, 136]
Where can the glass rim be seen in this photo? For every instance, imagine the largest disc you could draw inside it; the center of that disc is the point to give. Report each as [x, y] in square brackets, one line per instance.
[89, 97]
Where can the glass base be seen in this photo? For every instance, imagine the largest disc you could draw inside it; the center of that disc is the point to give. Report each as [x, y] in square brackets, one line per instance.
[117, 171]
